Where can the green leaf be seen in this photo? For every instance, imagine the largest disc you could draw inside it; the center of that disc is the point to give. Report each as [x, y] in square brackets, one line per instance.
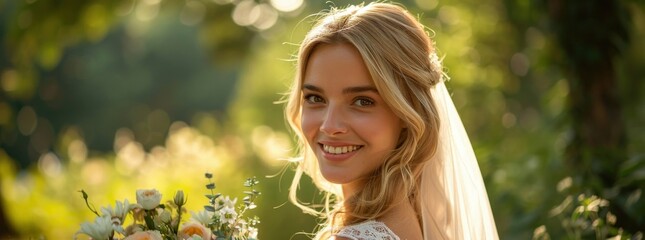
[209, 208]
[149, 222]
[213, 196]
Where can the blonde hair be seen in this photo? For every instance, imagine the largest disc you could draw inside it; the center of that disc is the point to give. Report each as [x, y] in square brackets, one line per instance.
[402, 62]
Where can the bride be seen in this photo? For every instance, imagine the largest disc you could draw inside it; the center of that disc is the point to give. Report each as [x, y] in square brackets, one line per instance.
[379, 132]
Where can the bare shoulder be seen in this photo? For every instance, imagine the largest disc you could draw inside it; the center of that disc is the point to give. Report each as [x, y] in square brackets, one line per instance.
[403, 222]
[404, 230]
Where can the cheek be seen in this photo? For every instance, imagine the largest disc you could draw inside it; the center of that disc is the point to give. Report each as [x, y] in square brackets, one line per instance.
[310, 124]
[383, 131]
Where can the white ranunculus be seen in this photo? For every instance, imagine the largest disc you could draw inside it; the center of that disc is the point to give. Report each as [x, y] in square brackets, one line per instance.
[101, 228]
[148, 198]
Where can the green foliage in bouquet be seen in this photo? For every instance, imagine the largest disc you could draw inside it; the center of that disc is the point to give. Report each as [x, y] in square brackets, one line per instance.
[221, 219]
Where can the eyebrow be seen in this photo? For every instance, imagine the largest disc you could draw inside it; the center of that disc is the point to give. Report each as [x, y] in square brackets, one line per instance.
[357, 89]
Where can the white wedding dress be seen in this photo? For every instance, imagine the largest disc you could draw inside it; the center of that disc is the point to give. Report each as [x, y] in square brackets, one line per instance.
[367, 230]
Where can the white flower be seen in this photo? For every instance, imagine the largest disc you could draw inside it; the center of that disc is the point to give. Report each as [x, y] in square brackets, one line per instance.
[148, 198]
[253, 233]
[117, 214]
[120, 210]
[217, 215]
[101, 228]
[227, 215]
[227, 202]
[204, 217]
[164, 215]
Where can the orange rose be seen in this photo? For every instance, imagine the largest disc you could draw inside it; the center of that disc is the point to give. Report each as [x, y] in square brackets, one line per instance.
[190, 229]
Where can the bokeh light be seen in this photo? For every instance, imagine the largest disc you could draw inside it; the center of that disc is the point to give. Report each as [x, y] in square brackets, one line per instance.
[246, 13]
[147, 10]
[286, 5]
[27, 120]
[193, 13]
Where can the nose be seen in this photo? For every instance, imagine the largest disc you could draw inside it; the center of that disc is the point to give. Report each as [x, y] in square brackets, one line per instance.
[334, 121]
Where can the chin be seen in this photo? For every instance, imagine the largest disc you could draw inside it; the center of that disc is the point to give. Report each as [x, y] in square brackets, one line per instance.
[335, 176]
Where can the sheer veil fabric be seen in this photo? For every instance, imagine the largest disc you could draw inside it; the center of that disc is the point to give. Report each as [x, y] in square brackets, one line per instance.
[453, 202]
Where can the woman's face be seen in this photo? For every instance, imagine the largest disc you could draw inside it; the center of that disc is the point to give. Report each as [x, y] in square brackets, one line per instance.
[345, 121]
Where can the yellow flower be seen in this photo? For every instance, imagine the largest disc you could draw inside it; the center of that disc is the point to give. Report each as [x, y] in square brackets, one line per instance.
[191, 229]
[148, 198]
[147, 235]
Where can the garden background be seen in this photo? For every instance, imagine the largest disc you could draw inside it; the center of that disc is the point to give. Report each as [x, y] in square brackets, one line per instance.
[110, 96]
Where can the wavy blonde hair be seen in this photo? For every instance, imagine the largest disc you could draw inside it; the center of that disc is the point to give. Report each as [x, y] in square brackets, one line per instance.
[402, 62]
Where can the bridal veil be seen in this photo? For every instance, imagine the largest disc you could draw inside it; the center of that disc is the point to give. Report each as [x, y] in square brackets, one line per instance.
[453, 202]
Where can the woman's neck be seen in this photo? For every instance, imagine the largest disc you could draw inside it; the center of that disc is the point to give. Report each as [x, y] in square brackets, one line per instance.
[349, 189]
[401, 217]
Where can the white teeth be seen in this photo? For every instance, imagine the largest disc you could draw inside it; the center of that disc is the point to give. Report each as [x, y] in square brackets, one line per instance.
[340, 150]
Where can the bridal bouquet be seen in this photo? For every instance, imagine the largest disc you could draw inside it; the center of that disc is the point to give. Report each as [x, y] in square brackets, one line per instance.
[221, 219]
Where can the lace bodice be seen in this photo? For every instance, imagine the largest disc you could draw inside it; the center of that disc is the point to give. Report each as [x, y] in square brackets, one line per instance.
[368, 230]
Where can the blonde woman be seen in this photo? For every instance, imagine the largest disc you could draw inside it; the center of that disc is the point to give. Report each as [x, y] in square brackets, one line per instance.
[380, 134]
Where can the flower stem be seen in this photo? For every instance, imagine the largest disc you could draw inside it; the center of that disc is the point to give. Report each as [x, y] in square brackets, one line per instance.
[91, 207]
[149, 222]
[176, 227]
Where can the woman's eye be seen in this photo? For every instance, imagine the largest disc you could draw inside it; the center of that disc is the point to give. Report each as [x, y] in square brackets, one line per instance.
[363, 102]
[313, 98]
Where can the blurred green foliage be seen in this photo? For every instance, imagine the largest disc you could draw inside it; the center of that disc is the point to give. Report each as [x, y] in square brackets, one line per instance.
[113, 96]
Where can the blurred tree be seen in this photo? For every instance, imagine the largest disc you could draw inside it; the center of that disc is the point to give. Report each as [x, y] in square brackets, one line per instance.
[96, 66]
[60, 53]
[593, 36]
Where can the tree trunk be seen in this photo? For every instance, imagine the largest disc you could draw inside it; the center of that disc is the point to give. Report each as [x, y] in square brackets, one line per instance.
[592, 34]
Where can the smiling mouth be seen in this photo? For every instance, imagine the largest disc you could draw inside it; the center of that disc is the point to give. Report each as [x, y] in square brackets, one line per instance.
[340, 149]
